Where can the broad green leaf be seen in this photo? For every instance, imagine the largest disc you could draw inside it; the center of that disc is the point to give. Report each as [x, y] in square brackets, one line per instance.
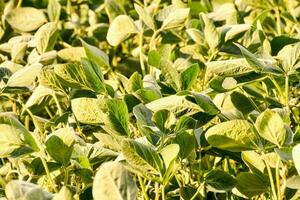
[196, 35]
[25, 76]
[219, 181]
[121, 28]
[144, 16]
[280, 42]
[170, 73]
[251, 184]
[235, 30]
[189, 76]
[147, 95]
[135, 82]
[154, 58]
[293, 182]
[206, 104]
[175, 18]
[46, 37]
[235, 135]
[95, 55]
[87, 110]
[142, 157]
[211, 34]
[18, 52]
[271, 127]
[81, 76]
[64, 194]
[163, 119]
[186, 142]
[117, 119]
[54, 10]
[17, 189]
[241, 102]
[296, 157]
[179, 105]
[290, 56]
[72, 54]
[16, 134]
[113, 181]
[169, 154]
[228, 68]
[26, 19]
[64, 138]
[253, 161]
[251, 59]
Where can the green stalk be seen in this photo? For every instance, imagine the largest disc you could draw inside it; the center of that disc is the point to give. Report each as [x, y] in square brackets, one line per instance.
[60, 112]
[152, 44]
[163, 197]
[271, 181]
[143, 188]
[278, 21]
[287, 93]
[279, 195]
[143, 68]
[66, 176]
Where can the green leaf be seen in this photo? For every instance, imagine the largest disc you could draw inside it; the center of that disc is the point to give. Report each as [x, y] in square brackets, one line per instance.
[144, 16]
[235, 135]
[271, 127]
[135, 82]
[147, 95]
[179, 105]
[169, 154]
[170, 73]
[26, 19]
[25, 76]
[15, 134]
[211, 34]
[189, 76]
[72, 54]
[96, 55]
[142, 157]
[163, 119]
[253, 161]
[46, 37]
[16, 189]
[175, 18]
[186, 142]
[64, 194]
[121, 28]
[219, 181]
[290, 56]
[251, 184]
[113, 181]
[293, 182]
[64, 138]
[281, 41]
[296, 157]
[54, 10]
[251, 59]
[154, 58]
[241, 102]
[80, 76]
[228, 68]
[117, 120]
[87, 110]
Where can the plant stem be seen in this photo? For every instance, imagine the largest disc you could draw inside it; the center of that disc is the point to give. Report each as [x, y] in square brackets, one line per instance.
[47, 170]
[279, 195]
[60, 112]
[271, 181]
[152, 44]
[66, 176]
[163, 192]
[143, 188]
[278, 21]
[143, 68]
[287, 93]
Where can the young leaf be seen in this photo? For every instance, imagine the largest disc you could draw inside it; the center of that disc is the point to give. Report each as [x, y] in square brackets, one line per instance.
[189, 76]
[211, 33]
[54, 10]
[271, 127]
[142, 157]
[64, 138]
[251, 184]
[46, 37]
[219, 181]
[95, 54]
[296, 157]
[235, 135]
[113, 181]
[169, 154]
[64, 194]
[26, 19]
[25, 76]
[144, 16]
[121, 28]
[175, 18]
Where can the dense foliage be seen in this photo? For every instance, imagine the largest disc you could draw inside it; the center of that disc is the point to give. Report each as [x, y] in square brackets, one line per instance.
[153, 99]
